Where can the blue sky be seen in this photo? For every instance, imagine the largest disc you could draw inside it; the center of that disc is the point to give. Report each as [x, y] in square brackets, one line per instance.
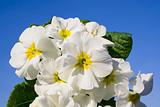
[139, 17]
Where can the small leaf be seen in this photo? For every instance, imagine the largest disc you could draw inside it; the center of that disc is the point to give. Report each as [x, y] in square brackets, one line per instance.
[84, 21]
[123, 44]
[33, 25]
[22, 95]
[49, 22]
[110, 102]
[30, 82]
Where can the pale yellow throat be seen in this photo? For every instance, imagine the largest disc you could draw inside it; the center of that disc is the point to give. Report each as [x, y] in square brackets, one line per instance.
[32, 52]
[133, 97]
[109, 79]
[56, 78]
[64, 33]
[84, 61]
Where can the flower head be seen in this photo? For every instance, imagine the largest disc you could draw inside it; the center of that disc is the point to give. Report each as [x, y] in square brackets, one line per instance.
[87, 60]
[32, 46]
[63, 29]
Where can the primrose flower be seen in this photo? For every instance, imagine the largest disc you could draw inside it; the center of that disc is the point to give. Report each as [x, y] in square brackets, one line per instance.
[95, 29]
[50, 70]
[86, 59]
[57, 95]
[63, 29]
[98, 31]
[33, 45]
[131, 98]
[121, 73]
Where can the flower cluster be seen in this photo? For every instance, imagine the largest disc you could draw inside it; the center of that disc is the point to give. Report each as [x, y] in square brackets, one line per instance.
[73, 67]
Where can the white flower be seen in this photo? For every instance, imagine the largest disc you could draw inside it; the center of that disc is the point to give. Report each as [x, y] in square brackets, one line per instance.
[97, 31]
[50, 70]
[131, 98]
[86, 59]
[63, 29]
[120, 74]
[57, 95]
[40, 101]
[85, 100]
[32, 46]
[143, 83]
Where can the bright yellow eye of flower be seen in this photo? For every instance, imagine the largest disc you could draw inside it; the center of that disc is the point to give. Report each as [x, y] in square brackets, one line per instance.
[133, 98]
[64, 33]
[32, 52]
[56, 78]
[83, 61]
[109, 79]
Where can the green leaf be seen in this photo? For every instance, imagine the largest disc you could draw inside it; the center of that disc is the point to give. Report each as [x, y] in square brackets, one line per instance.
[49, 22]
[33, 25]
[22, 95]
[110, 102]
[30, 82]
[123, 44]
[84, 21]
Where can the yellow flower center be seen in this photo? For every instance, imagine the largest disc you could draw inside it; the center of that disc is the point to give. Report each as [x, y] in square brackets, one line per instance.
[64, 33]
[94, 33]
[32, 52]
[109, 79]
[134, 98]
[56, 78]
[83, 60]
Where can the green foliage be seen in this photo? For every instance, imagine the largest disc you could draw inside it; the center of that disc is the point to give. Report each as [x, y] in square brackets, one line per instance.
[110, 102]
[84, 21]
[30, 82]
[49, 22]
[33, 25]
[22, 95]
[123, 44]
[45, 24]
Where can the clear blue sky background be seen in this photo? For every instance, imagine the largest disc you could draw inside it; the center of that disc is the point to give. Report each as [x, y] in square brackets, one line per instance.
[139, 17]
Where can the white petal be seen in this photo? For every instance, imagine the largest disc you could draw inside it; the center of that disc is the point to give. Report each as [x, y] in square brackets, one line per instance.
[39, 101]
[122, 91]
[59, 22]
[88, 81]
[18, 49]
[31, 35]
[18, 61]
[43, 89]
[105, 93]
[28, 71]
[122, 67]
[105, 42]
[137, 83]
[101, 69]
[47, 66]
[91, 26]
[67, 71]
[85, 100]
[124, 103]
[101, 30]
[74, 25]
[148, 83]
[52, 31]
[48, 48]
[100, 55]
[70, 48]
[97, 43]
[45, 79]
